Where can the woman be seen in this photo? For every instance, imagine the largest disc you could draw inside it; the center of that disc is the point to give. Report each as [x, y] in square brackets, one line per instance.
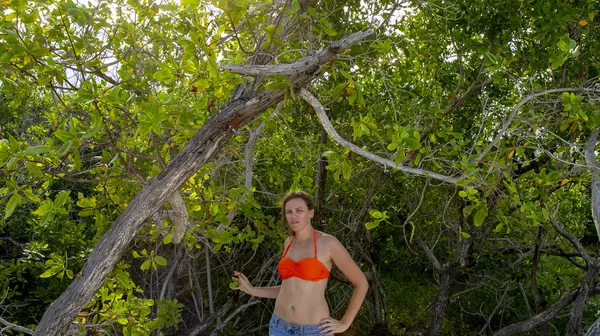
[301, 308]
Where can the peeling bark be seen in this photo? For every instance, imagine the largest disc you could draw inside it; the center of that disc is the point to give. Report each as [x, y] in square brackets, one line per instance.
[179, 217]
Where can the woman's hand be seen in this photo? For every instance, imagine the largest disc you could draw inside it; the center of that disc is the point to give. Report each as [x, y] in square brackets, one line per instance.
[330, 326]
[245, 285]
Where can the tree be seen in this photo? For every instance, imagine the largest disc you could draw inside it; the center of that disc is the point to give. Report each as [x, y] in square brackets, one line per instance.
[456, 145]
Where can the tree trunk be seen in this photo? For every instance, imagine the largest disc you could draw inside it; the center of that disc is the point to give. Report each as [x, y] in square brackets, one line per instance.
[448, 276]
[540, 305]
[211, 137]
[440, 301]
[580, 306]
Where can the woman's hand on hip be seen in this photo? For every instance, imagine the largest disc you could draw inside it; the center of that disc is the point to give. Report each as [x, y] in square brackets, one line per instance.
[329, 326]
[245, 285]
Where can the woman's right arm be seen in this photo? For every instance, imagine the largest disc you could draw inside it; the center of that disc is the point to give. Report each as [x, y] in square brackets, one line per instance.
[246, 286]
[264, 292]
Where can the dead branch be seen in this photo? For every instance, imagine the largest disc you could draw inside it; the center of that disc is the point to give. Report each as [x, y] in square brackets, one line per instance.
[302, 65]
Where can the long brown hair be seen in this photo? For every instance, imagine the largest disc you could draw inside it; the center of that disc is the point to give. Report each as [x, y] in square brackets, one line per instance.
[290, 196]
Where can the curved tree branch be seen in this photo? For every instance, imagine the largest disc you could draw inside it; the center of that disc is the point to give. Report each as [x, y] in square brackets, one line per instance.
[572, 239]
[320, 110]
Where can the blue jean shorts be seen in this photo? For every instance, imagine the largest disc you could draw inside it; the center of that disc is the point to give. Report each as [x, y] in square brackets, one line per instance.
[278, 327]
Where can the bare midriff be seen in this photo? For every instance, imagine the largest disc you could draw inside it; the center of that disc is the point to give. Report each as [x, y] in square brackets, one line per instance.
[302, 301]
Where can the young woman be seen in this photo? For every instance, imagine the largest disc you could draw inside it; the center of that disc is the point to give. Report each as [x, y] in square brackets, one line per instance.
[300, 306]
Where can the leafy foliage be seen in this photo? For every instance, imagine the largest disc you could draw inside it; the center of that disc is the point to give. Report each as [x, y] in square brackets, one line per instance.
[95, 99]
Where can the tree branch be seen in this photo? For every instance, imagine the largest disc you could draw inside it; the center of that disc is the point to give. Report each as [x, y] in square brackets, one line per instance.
[15, 327]
[430, 255]
[541, 318]
[516, 109]
[12, 240]
[302, 65]
[572, 239]
[320, 110]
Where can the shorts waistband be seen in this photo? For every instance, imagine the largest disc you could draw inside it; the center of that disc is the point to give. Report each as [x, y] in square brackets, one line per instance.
[276, 321]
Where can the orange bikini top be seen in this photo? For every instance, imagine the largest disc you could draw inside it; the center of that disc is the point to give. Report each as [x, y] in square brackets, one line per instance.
[307, 268]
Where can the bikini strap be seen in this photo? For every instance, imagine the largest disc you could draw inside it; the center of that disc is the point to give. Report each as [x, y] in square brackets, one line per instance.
[288, 247]
[315, 243]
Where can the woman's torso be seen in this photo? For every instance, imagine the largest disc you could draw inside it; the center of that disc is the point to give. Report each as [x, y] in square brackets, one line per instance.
[303, 301]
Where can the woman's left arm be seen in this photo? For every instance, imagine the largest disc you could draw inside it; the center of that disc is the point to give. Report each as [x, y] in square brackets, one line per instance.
[342, 259]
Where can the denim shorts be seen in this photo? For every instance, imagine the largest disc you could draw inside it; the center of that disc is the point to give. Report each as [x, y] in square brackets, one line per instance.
[278, 327]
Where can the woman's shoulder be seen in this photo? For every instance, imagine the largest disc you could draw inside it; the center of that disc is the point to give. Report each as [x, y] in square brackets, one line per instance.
[327, 238]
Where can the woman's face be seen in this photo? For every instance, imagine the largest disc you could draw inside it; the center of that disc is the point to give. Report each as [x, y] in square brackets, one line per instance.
[297, 214]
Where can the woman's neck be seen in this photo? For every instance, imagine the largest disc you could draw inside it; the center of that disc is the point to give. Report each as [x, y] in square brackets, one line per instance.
[304, 234]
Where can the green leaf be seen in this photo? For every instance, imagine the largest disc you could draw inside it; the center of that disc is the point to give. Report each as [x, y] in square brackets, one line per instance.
[346, 170]
[50, 272]
[63, 136]
[372, 225]
[352, 97]
[480, 215]
[164, 75]
[64, 148]
[35, 150]
[45, 208]
[160, 260]
[307, 181]
[34, 169]
[86, 213]
[193, 3]
[412, 143]
[14, 144]
[465, 235]
[146, 265]
[96, 125]
[168, 238]
[14, 200]
[62, 197]
[337, 90]
[330, 31]
[376, 214]
[30, 195]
